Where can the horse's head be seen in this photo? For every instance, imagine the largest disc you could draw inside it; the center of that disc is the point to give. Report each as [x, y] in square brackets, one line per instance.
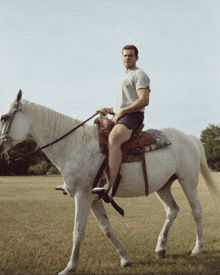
[14, 126]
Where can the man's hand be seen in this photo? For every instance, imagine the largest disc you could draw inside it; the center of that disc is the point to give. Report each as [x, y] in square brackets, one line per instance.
[118, 116]
[105, 111]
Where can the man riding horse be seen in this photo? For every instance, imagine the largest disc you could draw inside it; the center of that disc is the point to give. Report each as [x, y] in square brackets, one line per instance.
[132, 98]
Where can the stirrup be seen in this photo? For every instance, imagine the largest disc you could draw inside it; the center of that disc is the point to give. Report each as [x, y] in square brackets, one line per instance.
[107, 198]
[103, 193]
[100, 191]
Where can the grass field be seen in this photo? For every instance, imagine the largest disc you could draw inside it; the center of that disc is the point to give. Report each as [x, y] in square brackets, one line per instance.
[37, 223]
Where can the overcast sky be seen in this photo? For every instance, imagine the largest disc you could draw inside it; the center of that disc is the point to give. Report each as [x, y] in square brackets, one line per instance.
[66, 54]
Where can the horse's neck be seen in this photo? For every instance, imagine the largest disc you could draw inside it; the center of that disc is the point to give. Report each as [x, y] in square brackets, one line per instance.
[47, 125]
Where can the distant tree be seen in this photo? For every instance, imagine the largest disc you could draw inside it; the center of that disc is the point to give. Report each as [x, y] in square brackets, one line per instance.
[4, 167]
[212, 146]
[34, 164]
[44, 166]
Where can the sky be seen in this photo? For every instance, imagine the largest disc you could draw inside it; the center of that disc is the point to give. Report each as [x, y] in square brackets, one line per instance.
[66, 55]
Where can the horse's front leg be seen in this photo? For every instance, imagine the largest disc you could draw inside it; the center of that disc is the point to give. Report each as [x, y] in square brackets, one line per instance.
[82, 207]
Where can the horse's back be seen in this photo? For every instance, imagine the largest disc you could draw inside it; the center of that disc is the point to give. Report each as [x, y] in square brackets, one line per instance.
[182, 140]
[187, 150]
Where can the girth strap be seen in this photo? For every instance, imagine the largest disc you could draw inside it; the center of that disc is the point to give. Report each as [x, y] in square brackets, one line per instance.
[117, 207]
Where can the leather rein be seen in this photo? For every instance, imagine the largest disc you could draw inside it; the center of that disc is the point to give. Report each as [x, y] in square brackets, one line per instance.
[51, 143]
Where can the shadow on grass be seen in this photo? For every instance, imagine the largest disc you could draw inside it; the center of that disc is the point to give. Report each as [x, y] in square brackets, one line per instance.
[183, 264]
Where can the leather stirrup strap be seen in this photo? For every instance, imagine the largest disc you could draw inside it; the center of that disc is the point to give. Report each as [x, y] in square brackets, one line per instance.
[144, 170]
[101, 169]
[117, 207]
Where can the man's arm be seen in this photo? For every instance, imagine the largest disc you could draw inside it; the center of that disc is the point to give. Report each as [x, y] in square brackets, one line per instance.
[141, 102]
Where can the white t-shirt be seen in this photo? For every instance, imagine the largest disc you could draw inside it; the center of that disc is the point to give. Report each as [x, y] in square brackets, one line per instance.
[127, 91]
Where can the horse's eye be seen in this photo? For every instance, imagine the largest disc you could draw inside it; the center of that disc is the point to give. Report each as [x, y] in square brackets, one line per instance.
[4, 118]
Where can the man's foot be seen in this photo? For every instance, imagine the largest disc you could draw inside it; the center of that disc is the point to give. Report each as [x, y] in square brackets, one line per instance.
[62, 188]
[102, 192]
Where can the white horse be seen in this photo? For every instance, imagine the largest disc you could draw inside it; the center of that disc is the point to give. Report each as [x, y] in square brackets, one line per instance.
[78, 158]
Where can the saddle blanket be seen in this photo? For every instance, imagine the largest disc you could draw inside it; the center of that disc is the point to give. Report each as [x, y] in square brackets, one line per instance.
[161, 141]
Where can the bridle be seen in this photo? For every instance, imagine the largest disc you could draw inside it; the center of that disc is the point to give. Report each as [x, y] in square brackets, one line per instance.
[6, 137]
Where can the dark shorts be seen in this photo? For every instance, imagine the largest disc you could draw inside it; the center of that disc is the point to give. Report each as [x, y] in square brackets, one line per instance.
[132, 120]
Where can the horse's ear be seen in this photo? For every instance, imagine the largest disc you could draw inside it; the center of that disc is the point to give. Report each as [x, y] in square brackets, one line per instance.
[17, 105]
[19, 96]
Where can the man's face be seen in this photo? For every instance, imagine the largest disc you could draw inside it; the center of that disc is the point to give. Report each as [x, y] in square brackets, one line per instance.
[129, 59]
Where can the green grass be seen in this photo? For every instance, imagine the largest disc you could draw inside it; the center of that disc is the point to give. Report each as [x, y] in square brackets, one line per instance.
[37, 224]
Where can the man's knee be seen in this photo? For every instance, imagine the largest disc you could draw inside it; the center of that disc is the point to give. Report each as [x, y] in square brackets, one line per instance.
[114, 139]
[119, 135]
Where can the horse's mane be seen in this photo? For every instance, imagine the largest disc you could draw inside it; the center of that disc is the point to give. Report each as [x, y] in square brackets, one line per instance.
[51, 121]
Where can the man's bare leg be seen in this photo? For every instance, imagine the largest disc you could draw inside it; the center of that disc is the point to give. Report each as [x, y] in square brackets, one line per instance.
[119, 135]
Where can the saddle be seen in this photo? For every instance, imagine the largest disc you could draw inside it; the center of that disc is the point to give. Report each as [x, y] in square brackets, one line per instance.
[138, 140]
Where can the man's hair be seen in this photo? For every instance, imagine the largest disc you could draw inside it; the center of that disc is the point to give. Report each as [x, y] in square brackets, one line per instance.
[131, 47]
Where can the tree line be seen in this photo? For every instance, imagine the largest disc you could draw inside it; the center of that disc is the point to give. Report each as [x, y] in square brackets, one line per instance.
[39, 164]
[212, 146]
[34, 164]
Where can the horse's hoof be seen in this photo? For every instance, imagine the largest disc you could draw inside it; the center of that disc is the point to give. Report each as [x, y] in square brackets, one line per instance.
[67, 271]
[161, 254]
[195, 254]
[127, 264]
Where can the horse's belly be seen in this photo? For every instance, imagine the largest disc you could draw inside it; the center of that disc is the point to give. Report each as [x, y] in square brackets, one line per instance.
[132, 181]
[160, 167]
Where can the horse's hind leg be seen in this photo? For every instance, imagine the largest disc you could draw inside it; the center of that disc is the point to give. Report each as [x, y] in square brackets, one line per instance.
[99, 212]
[190, 190]
[171, 207]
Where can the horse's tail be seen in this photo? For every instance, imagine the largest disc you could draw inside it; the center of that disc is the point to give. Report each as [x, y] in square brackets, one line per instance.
[212, 184]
